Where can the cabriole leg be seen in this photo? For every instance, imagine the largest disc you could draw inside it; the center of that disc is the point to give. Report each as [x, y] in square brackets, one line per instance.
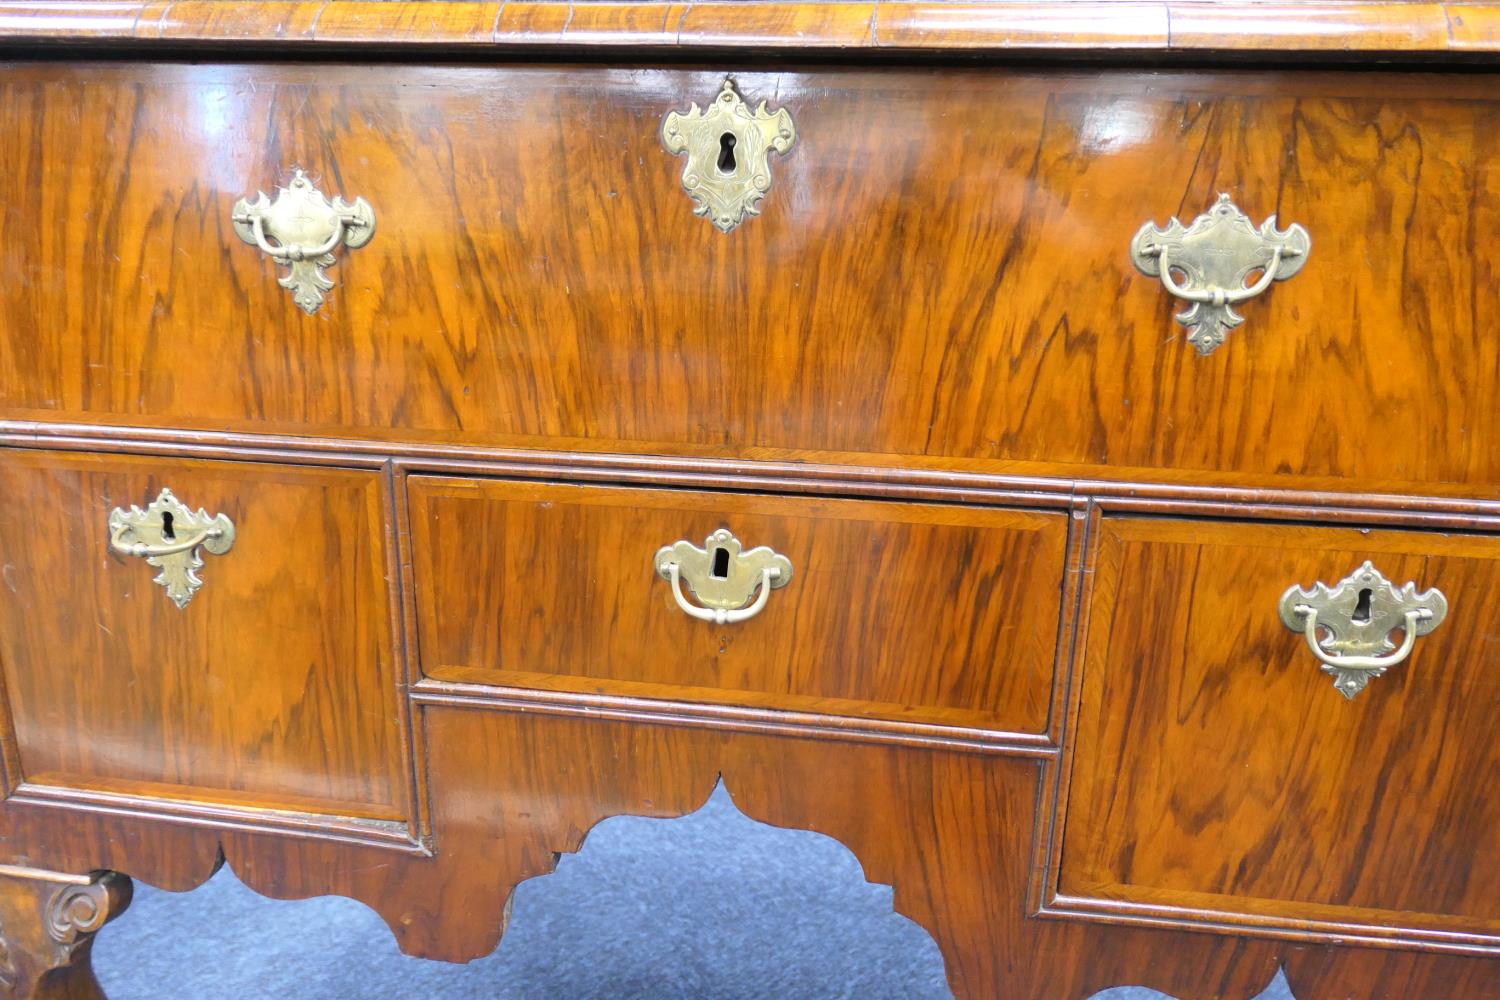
[47, 926]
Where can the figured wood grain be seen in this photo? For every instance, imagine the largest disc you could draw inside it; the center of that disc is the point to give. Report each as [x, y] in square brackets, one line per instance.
[950, 831]
[1397, 27]
[1441, 505]
[926, 613]
[936, 304]
[539, 280]
[1216, 768]
[274, 688]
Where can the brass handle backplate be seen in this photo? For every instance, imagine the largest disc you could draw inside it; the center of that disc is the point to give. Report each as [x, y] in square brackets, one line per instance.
[1215, 255]
[301, 228]
[730, 584]
[728, 151]
[1349, 625]
[168, 535]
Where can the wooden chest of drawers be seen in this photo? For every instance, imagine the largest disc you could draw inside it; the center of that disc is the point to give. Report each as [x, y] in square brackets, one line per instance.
[604, 398]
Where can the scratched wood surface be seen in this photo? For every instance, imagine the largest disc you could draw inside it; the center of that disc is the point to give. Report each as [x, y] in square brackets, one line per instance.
[273, 688]
[1328, 27]
[1216, 767]
[918, 612]
[940, 274]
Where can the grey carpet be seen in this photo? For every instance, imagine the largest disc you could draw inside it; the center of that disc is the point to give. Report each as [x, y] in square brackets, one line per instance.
[712, 906]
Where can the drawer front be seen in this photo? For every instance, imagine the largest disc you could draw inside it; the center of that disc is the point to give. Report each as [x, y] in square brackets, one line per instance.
[933, 614]
[1217, 768]
[272, 686]
[537, 276]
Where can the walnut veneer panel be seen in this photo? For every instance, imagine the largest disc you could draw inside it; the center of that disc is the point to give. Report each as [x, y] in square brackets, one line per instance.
[1130, 26]
[951, 831]
[940, 274]
[1217, 768]
[273, 687]
[922, 613]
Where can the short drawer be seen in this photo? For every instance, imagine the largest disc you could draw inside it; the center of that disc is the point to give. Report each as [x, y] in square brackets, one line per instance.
[272, 685]
[1219, 769]
[923, 613]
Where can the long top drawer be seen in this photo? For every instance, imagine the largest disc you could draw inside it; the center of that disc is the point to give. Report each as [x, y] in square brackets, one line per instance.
[940, 273]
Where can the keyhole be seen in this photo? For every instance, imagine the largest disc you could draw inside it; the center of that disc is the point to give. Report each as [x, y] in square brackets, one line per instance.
[721, 564]
[726, 153]
[167, 531]
[1362, 608]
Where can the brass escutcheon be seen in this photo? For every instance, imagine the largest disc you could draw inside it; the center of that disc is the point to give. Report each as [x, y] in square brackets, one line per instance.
[728, 149]
[1349, 625]
[168, 534]
[730, 584]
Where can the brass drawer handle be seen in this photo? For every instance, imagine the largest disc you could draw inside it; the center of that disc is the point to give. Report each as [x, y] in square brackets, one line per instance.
[1357, 617]
[1216, 254]
[731, 585]
[728, 149]
[306, 228]
[167, 534]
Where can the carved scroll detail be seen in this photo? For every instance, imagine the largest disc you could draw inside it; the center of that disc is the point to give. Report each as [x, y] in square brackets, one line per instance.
[47, 926]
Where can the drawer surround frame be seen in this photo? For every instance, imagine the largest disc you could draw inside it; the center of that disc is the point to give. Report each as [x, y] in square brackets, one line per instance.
[275, 864]
[1086, 502]
[958, 411]
[407, 833]
[431, 673]
[1046, 898]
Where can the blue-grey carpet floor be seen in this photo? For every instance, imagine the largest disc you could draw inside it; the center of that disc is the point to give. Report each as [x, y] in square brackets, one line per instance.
[712, 906]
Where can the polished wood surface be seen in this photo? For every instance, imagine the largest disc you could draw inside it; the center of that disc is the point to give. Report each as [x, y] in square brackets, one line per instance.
[1029, 668]
[49, 920]
[925, 613]
[275, 687]
[488, 308]
[951, 831]
[1394, 27]
[1377, 811]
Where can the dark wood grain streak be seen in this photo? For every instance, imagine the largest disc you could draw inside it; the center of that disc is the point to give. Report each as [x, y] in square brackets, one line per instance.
[275, 688]
[951, 831]
[920, 613]
[1372, 816]
[476, 318]
[908, 26]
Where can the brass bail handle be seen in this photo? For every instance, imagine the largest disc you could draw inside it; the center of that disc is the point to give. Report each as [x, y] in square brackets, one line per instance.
[729, 583]
[1216, 254]
[1349, 625]
[169, 535]
[301, 228]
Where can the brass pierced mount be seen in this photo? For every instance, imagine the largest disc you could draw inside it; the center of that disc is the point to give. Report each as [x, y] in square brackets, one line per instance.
[728, 149]
[301, 228]
[169, 535]
[1349, 625]
[1216, 255]
[730, 584]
